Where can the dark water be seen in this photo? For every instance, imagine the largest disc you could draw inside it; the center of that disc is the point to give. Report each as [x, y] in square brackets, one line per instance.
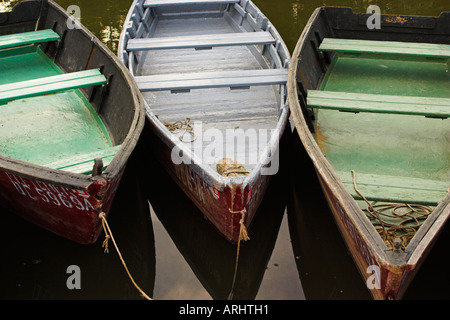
[173, 253]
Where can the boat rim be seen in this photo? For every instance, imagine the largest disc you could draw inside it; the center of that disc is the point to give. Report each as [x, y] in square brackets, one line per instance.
[65, 178]
[212, 177]
[415, 249]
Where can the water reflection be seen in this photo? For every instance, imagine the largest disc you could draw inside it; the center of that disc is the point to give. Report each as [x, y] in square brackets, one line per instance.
[35, 261]
[6, 5]
[324, 264]
[210, 256]
[105, 17]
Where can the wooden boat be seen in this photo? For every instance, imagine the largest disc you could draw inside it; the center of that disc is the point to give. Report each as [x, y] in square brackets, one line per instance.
[71, 116]
[218, 68]
[204, 249]
[38, 271]
[389, 149]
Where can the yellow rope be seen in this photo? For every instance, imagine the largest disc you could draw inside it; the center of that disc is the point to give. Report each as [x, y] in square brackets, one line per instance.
[231, 168]
[243, 235]
[389, 231]
[178, 125]
[108, 235]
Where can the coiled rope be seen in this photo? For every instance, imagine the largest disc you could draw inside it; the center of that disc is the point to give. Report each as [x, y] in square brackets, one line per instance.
[108, 235]
[173, 127]
[231, 168]
[414, 214]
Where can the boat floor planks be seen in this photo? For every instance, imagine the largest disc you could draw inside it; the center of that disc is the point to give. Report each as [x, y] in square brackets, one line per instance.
[201, 63]
[30, 127]
[217, 108]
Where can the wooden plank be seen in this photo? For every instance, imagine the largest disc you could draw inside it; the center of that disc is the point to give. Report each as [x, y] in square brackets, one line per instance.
[160, 3]
[25, 38]
[201, 41]
[395, 189]
[83, 163]
[199, 80]
[363, 102]
[387, 47]
[48, 85]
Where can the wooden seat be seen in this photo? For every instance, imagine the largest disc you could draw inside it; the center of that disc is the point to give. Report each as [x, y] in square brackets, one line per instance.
[159, 3]
[201, 41]
[83, 163]
[52, 84]
[375, 103]
[386, 47]
[386, 188]
[201, 80]
[20, 39]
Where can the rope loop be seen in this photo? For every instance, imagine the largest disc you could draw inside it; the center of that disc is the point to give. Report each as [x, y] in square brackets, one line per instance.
[409, 217]
[173, 127]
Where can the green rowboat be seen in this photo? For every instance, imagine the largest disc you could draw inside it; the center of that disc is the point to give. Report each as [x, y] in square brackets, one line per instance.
[70, 118]
[372, 108]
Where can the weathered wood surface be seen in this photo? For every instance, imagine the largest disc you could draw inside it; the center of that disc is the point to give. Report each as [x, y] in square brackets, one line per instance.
[378, 103]
[52, 84]
[386, 47]
[201, 41]
[20, 39]
[179, 82]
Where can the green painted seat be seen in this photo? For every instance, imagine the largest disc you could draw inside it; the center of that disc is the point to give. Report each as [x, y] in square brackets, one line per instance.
[376, 103]
[83, 163]
[385, 47]
[395, 188]
[20, 39]
[52, 84]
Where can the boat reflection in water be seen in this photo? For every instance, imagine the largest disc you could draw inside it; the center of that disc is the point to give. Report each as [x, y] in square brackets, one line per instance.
[208, 253]
[325, 267]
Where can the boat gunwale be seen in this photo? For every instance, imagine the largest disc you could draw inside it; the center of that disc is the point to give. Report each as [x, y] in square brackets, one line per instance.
[419, 245]
[66, 178]
[210, 176]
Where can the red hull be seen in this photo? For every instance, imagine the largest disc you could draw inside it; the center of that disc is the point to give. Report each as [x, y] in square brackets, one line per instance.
[66, 203]
[223, 208]
[393, 279]
[68, 212]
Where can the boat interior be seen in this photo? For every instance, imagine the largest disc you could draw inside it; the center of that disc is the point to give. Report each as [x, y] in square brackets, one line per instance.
[379, 111]
[221, 67]
[45, 119]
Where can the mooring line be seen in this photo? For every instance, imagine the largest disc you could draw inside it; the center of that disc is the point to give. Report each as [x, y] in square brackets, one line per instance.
[108, 235]
[243, 235]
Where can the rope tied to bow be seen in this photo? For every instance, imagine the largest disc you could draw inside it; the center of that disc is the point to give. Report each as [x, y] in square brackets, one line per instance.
[243, 236]
[108, 235]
